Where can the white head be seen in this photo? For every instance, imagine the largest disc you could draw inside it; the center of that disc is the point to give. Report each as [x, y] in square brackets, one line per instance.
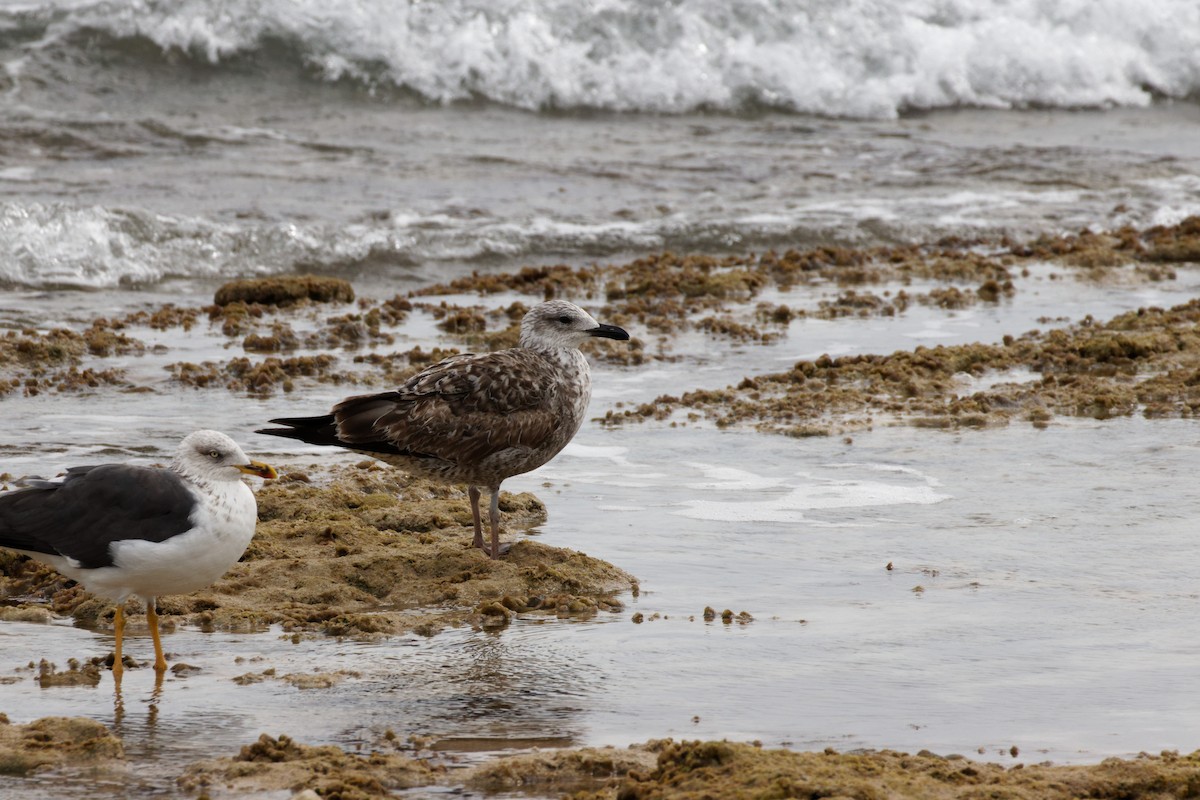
[557, 324]
[211, 455]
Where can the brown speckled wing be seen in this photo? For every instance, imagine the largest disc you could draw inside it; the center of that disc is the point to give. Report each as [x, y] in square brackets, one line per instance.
[462, 409]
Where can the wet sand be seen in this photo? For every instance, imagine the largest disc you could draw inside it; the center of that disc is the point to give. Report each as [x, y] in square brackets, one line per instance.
[697, 770]
[361, 551]
[656, 770]
[75, 743]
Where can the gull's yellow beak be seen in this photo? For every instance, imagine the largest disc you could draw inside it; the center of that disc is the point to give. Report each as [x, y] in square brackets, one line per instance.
[260, 469]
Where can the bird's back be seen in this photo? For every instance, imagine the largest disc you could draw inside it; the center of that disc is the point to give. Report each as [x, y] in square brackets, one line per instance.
[90, 508]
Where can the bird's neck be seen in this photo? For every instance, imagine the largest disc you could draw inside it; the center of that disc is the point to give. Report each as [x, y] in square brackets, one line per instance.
[210, 483]
[568, 358]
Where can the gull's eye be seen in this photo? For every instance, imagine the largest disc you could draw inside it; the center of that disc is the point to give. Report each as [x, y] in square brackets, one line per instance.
[564, 319]
[214, 453]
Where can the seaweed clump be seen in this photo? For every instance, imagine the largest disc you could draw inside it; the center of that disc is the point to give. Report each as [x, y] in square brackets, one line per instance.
[285, 290]
[1146, 360]
[33, 362]
[371, 552]
[282, 764]
[257, 377]
[695, 770]
[53, 742]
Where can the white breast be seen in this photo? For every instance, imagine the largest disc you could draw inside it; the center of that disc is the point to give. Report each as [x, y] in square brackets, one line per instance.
[222, 527]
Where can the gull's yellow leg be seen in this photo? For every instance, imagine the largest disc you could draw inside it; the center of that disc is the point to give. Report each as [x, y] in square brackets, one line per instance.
[160, 663]
[119, 630]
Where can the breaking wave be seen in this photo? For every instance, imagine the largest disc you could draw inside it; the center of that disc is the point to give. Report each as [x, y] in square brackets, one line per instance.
[840, 58]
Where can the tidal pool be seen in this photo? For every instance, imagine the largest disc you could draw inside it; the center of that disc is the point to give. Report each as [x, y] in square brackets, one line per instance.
[1040, 595]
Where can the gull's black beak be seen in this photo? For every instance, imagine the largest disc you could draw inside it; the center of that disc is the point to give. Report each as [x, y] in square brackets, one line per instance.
[260, 469]
[609, 332]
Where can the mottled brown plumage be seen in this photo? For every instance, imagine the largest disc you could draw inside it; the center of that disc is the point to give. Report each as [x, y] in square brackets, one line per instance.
[475, 419]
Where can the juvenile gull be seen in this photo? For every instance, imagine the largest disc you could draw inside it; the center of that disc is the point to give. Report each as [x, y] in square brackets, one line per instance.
[475, 419]
[124, 530]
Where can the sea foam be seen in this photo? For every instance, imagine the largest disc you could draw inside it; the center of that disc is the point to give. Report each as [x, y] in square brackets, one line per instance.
[55, 244]
[842, 58]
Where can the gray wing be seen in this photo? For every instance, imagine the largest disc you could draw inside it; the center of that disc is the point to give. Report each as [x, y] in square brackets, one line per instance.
[91, 508]
[464, 408]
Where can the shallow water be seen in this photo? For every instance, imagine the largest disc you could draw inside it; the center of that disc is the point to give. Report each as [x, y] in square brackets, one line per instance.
[1055, 570]
[1055, 566]
[59, 430]
[1056, 611]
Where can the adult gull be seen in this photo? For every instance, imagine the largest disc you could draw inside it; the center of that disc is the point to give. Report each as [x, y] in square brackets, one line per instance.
[475, 419]
[122, 530]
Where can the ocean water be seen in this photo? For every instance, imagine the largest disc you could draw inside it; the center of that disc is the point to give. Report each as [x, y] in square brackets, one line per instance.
[150, 151]
[398, 143]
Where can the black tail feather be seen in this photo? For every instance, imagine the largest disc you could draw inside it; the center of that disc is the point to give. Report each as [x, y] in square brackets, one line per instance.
[304, 422]
[313, 430]
[323, 430]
